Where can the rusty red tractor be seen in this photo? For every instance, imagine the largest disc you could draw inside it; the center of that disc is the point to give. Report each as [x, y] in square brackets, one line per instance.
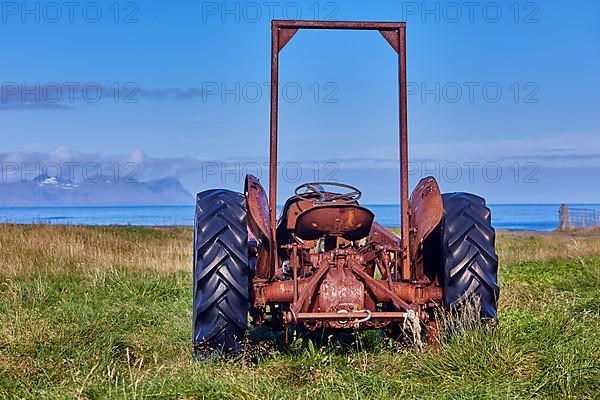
[325, 263]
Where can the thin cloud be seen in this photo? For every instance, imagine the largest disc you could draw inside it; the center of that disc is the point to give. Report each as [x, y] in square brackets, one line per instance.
[172, 93]
[552, 157]
[35, 107]
[74, 165]
[67, 96]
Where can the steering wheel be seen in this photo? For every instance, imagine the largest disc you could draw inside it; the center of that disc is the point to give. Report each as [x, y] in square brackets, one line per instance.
[316, 188]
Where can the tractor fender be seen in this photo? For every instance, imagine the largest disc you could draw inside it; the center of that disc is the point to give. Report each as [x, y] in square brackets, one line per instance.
[257, 206]
[426, 211]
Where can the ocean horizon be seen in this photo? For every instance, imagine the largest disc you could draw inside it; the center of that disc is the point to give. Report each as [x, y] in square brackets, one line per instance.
[536, 217]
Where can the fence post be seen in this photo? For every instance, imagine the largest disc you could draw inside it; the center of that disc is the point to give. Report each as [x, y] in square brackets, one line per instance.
[563, 217]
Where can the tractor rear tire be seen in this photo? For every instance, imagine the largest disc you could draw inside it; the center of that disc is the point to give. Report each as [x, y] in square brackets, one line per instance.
[469, 261]
[221, 266]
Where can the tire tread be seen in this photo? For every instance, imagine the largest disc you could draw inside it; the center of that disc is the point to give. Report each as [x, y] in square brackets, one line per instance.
[469, 260]
[221, 297]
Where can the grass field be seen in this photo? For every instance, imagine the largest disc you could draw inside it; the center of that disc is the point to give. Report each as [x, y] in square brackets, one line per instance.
[105, 312]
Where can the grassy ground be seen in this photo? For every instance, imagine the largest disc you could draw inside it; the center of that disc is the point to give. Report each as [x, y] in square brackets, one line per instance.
[105, 312]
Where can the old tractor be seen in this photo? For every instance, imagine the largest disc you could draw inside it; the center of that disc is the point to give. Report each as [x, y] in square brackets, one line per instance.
[325, 263]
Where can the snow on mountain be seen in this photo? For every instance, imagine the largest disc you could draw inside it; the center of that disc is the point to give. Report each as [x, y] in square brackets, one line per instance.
[46, 191]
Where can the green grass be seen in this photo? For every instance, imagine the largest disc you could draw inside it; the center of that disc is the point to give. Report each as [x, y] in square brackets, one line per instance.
[105, 313]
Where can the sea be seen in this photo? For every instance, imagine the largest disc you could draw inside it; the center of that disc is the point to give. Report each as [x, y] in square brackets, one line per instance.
[534, 217]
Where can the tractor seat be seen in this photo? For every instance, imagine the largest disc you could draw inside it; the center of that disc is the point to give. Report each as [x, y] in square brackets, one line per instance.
[350, 221]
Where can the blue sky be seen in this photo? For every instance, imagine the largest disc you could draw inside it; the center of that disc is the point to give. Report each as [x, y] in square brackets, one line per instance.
[506, 87]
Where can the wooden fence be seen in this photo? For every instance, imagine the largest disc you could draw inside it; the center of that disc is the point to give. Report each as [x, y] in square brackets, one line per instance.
[573, 218]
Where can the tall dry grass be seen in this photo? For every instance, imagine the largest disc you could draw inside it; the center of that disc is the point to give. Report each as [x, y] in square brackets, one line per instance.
[26, 249]
[39, 249]
[538, 246]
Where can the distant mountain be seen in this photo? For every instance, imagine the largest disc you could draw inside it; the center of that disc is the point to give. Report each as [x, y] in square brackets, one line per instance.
[45, 191]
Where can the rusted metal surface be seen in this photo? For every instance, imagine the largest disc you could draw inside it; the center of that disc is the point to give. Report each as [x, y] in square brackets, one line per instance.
[258, 208]
[404, 216]
[280, 291]
[338, 268]
[316, 193]
[283, 292]
[305, 297]
[380, 234]
[273, 138]
[392, 38]
[418, 294]
[295, 209]
[426, 213]
[346, 319]
[353, 25]
[258, 220]
[313, 197]
[379, 289]
[332, 316]
[340, 292]
[349, 221]
[342, 281]
[394, 32]
[285, 35]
